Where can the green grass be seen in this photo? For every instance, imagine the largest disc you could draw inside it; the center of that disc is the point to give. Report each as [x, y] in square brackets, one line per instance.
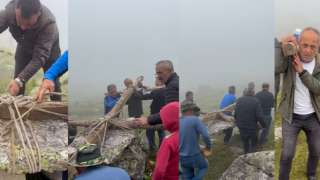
[299, 164]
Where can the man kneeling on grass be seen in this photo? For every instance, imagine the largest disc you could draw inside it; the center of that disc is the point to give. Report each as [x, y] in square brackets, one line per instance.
[190, 157]
[167, 167]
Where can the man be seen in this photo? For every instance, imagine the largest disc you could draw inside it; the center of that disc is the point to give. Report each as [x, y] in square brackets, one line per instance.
[300, 106]
[248, 113]
[89, 162]
[227, 100]
[251, 84]
[165, 73]
[158, 101]
[277, 83]
[189, 99]
[267, 102]
[111, 99]
[55, 71]
[34, 28]
[190, 157]
[167, 167]
[134, 102]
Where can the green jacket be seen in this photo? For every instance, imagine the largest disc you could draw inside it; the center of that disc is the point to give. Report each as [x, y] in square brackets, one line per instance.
[311, 81]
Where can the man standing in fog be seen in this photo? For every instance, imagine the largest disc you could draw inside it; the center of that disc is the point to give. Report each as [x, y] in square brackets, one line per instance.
[251, 84]
[34, 28]
[300, 106]
[227, 100]
[248, 113]
[267, 103]
[134, 102]
[165, 73]
[189, 99]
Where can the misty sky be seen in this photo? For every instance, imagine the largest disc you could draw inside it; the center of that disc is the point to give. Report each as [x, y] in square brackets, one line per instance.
[113, 40]
[226, 43]
[295, 14]
[58, 7]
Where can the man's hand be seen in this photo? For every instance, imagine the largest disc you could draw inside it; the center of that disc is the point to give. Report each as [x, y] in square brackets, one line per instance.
[46, 84]
[290, 38]
[13, 87]
[142, 122]
[297, 63]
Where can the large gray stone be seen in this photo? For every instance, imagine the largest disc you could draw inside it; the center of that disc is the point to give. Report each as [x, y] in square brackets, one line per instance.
[259, 166]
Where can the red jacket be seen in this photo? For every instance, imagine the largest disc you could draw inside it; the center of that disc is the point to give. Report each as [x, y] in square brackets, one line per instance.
[167, 167]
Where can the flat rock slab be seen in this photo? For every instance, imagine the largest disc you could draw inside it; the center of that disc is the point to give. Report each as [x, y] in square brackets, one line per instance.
[258, 165]
[216, 127]
[236, 151]
[52, 138]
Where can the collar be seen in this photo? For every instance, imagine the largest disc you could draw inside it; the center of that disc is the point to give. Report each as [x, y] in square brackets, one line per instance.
[170, 78]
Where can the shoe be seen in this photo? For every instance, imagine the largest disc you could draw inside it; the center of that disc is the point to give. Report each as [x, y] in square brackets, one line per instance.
[311, 178]
[226, 142]
[260, 143]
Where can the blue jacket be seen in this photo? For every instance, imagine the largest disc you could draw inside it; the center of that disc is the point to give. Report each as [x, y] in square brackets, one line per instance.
[109, 102]
[227, 100]
[103, 173]
[58, 68]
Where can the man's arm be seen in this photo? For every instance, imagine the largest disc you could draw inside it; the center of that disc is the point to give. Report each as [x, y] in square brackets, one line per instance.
[147, 96]
[42, 51]
[162, 160]
[4, 24]
[58, 67]
[272, 100]
[204, 133]
[259, 115]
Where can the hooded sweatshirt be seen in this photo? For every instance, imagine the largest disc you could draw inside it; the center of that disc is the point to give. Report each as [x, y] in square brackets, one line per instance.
[167, 167]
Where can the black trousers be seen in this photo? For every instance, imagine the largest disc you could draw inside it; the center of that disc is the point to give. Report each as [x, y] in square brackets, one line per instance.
[228, 134]
[22, 59]
[290, 132]
[248, 135]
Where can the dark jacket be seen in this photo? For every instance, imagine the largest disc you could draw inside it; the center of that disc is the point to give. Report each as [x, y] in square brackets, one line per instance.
[266, 100]
[158, 100]
[135, 105]
[171, 95]
[248, 113]
[42, 41]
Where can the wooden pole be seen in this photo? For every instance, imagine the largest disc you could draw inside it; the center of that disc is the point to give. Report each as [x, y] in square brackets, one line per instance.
[100, 127]
[139, 89]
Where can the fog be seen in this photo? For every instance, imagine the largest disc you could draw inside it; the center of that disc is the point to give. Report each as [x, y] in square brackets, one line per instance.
[60, 10]
[294, 14]
[114, 40]
[226, 43]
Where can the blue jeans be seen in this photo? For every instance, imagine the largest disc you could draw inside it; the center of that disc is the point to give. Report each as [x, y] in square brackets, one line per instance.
[189, 163]
[151, 138]
[265, 132]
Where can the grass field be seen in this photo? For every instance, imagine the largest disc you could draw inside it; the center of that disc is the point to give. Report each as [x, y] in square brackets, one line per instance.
[299, 165]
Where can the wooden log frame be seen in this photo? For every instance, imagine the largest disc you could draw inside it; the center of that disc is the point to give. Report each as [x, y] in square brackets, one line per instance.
[101, 126]
[139, 89]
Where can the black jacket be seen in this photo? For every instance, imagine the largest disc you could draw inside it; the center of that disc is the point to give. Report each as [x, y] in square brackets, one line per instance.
[158, 100]
[266, 100]
[135, 105]
[248, 112]
[171, 95]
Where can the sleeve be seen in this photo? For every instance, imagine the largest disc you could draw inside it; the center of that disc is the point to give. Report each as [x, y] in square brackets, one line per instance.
[312, 83]
[204, 133]
[281, 63]
[105, 110]
[259, 115]
[57, 68]
[272, 100]
[148, 96]
[236, 112]
[162, 160]
[234, 100]
[4, 24]
[154, 119]
[42, 51]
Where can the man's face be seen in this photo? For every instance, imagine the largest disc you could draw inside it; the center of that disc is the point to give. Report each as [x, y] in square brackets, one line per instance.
[308, 45]
[113, 92]
[158, 82]
[162, 73]
[191, 96]
[26, 23]
[128, 82]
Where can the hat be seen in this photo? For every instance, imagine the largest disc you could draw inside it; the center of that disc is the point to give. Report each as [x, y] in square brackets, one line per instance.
[189, 107]
[88, 155]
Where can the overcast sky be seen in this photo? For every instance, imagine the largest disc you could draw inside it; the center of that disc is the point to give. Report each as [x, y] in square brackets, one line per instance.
[60, 10]
[295, 14]
[113, 40]
[226, 43]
